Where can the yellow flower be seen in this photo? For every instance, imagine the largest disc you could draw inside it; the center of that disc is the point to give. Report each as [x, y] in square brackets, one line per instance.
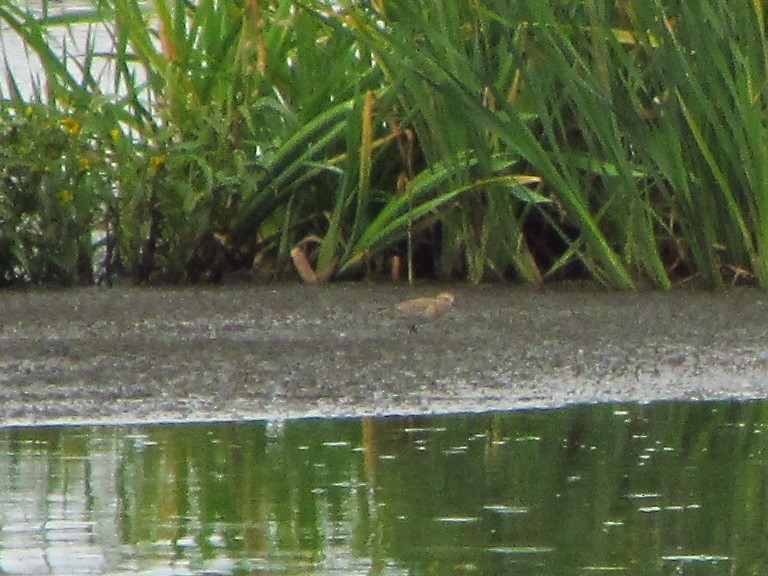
[115, 133]
[29, 111]
[71, 125]
[83, 164]
[65, 197]
[155, 162]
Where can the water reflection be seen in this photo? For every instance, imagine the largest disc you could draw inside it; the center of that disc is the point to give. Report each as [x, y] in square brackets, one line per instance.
[669, 488]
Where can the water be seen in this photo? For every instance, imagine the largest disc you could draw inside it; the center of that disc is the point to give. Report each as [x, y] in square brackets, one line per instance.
[68, 43]
[667, 488]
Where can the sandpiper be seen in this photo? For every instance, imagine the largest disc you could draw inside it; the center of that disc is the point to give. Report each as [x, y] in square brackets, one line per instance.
[422, 310]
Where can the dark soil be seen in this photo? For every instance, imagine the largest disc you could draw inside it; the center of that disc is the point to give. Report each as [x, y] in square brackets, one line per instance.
[278, 351]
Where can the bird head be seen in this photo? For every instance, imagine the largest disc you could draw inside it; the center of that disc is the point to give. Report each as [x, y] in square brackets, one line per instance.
[447, 296]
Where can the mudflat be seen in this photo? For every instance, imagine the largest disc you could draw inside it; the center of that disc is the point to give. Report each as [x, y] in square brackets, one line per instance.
[116, 355]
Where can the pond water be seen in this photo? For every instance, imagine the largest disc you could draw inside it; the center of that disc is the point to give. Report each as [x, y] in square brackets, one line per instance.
[20, 65]
[663, 488]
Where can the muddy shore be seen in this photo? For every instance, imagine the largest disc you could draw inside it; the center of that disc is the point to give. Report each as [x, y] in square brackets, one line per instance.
[279, 351]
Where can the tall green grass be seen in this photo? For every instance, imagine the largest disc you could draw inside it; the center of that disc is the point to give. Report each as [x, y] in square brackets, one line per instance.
[480, 140]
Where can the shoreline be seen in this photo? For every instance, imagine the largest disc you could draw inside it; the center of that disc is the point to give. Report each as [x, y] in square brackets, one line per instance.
[99, 356]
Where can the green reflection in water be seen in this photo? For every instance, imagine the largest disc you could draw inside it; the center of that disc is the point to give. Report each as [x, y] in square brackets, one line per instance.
[668, 488]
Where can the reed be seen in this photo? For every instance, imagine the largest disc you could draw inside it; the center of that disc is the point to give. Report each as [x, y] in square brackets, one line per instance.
[532, 140]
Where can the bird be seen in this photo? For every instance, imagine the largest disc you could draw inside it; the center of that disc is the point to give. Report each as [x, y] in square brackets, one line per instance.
[422, 310]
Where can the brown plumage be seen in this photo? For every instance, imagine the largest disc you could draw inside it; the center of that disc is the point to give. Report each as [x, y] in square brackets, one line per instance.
[422, 310]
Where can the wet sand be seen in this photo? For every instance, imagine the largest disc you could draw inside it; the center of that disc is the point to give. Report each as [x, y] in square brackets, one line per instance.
[281, 351]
